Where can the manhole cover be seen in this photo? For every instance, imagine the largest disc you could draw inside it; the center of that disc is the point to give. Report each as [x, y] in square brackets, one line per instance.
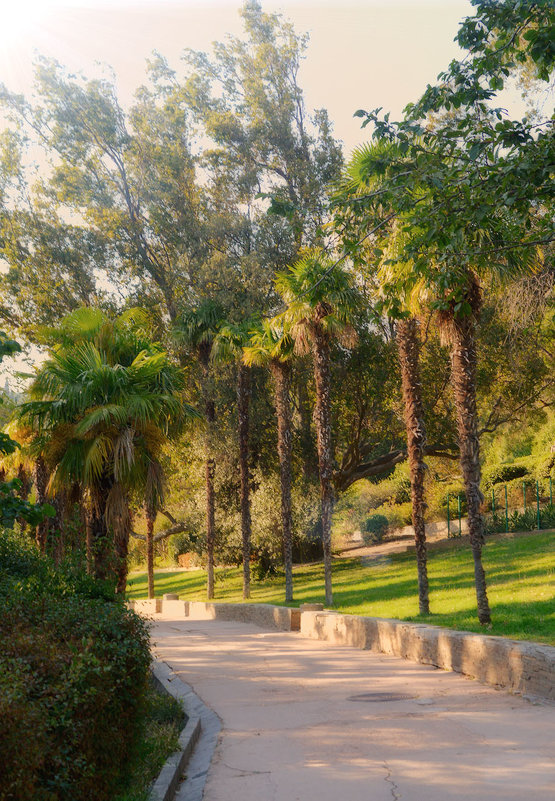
[380, 697]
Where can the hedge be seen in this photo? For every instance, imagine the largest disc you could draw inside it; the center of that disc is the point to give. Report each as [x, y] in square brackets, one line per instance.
[73, 671]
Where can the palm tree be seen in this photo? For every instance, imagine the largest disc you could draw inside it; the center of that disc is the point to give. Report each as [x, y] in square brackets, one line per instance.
[102, 405]
[271, 347]
[228, 346]
[360, 178]
[321, 300]
[196, 330]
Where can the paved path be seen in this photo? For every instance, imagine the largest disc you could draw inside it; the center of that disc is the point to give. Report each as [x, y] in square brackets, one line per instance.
[291, 733]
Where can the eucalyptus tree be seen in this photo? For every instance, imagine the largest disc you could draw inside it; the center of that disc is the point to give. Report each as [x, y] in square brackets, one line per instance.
[272, 347]
[228, 346]
[196, 330]
[101, 406]
[249, 101]
[321, 300]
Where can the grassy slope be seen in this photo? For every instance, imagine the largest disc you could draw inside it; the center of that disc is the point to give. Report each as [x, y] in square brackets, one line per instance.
[521, 581]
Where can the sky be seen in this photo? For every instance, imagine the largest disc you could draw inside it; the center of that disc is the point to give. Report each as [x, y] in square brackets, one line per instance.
[361, 54]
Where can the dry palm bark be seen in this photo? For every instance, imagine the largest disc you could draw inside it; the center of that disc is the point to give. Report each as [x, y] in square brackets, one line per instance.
[461, 333]
[322, 417]
[40, 478]
[409, 352]
[281, 375]
[150, 515]
[243, 400]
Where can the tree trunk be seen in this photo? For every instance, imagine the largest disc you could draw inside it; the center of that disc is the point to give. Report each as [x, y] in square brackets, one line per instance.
[281, 375]
[306, 437]
[243, 400]
[41, 482]
[24, 490]
[409, 352]
[100, 546]
[210, 511]
[150, 520]
[322, 417]
[463, 377]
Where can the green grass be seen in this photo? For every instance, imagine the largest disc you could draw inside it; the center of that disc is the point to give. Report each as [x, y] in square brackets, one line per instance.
[520, 573]
[155, 740]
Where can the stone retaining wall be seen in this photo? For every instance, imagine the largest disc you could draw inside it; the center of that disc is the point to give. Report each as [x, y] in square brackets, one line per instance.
[265, 615]
[522, 667]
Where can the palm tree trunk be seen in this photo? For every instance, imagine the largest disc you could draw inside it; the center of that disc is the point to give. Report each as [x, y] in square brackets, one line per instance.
[24, 490]
[322, 416]
[41, 481]
[150, 519]
[100, 546]
[243, 400]
[409, 352]
[210, 510]
[281, 376]
[463, 377]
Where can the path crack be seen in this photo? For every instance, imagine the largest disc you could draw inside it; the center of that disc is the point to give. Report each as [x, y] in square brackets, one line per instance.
[395, 792]
[243, 772]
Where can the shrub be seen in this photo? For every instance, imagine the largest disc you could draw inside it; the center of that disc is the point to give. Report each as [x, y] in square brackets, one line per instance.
[375, 528]
[503, 473]
[73, 669]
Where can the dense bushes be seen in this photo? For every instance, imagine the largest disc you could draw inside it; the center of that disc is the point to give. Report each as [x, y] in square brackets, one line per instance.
[375, 528]
[73, 668]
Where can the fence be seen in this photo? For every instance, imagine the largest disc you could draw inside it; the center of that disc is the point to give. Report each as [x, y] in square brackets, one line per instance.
[532, 516]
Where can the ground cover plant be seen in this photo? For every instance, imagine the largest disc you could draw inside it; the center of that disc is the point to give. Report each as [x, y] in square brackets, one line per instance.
[155, 739]
[522, 587]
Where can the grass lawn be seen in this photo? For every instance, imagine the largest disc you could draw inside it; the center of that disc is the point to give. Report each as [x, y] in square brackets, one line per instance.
[520, 573]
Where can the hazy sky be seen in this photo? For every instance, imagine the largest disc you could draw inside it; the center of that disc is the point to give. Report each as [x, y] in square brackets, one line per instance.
[361, 55]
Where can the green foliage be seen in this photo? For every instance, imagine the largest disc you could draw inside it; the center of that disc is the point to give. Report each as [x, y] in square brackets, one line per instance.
[503, 473]
[73, 669]
[375, 528]
[156, 738]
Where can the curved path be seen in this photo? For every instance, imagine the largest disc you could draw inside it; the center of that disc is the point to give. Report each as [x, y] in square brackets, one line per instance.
[291, 730]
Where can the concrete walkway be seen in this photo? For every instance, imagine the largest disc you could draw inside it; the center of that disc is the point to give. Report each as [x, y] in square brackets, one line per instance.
[293, 729]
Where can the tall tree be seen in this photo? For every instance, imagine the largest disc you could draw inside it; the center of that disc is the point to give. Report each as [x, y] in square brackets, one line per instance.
[228, 346]
[271, 347]
[320, 302]
[197, 330]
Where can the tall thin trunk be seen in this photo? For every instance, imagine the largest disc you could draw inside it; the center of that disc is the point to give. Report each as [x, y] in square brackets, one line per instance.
[150, 520]
[243, 401]
[41, 481]
[409, 353]
[306, 438]
[322, 417]
[463, 377]
[210, 502]
[281, 375]
[100, 545]
[24, 490]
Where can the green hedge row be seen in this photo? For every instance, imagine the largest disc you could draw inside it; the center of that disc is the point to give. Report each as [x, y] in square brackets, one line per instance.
[73, 670]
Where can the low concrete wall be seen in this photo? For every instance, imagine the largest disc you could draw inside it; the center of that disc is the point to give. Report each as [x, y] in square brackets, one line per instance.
[147, 606]
[522, 667]
[265, 615]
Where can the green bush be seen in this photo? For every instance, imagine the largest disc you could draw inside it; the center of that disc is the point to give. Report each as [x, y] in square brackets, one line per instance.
[503, 473]
[375, 528]
[73, 669]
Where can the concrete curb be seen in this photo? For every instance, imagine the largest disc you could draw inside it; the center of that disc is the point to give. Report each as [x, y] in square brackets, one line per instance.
[522, 667]
[169, 777]
[191, 787]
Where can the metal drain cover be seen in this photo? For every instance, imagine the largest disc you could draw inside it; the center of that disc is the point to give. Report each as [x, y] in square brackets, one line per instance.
[376, 697]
